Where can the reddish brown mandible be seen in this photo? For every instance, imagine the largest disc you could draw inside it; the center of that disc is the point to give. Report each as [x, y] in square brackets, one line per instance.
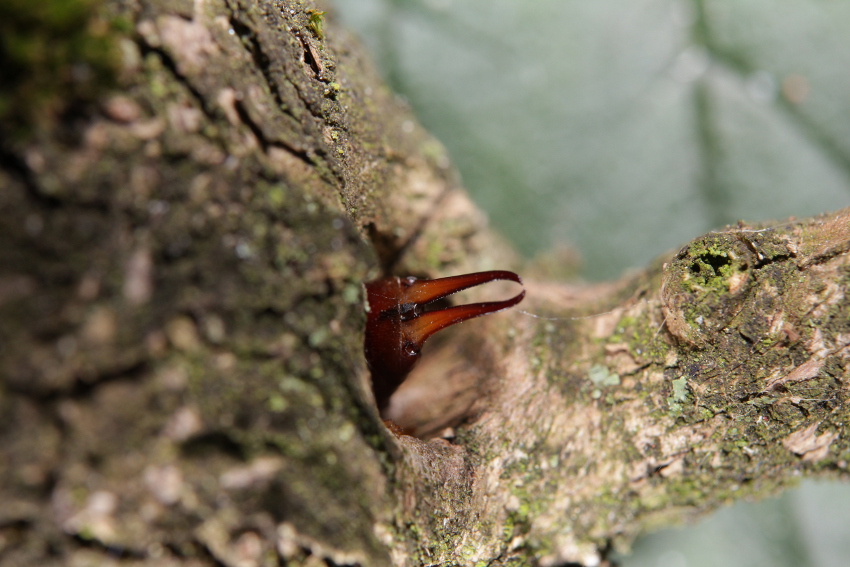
[398, 325]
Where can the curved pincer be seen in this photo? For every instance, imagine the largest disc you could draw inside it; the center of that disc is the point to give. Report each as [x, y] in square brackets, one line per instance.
[398, 323]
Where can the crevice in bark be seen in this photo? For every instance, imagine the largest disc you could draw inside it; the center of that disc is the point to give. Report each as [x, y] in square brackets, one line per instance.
[81, 388]
[261, 60]
[168, 62]
[15, 165]
[265, 143]
[213, 442]
[391, 253]
[114, 552]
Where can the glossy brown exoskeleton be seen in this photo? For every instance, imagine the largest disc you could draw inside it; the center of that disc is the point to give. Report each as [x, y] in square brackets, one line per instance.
[398, 325]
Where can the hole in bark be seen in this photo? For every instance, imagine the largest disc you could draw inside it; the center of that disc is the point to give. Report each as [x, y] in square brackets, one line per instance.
[311, 59]
[709, 264]
[212, 443]
[385, 246]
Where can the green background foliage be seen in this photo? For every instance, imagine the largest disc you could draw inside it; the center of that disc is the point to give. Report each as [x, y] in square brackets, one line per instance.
[626, 129]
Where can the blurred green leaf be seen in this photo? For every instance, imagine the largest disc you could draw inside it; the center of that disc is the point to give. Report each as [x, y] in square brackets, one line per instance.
[626, 128]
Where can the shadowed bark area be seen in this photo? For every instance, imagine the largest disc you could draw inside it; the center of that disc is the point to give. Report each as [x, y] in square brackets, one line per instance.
[181, 331]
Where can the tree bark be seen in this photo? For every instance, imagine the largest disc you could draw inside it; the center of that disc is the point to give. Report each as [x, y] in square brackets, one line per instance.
[181, 330]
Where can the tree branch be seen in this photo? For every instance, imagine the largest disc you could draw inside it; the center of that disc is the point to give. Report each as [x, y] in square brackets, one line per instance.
[719, 375]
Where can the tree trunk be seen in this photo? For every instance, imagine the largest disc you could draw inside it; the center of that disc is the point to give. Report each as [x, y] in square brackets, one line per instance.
[186, 226]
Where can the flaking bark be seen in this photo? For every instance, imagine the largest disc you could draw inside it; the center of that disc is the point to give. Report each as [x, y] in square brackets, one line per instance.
[181, 319]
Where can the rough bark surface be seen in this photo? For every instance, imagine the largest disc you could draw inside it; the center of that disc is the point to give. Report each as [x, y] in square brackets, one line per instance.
[181, 319]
